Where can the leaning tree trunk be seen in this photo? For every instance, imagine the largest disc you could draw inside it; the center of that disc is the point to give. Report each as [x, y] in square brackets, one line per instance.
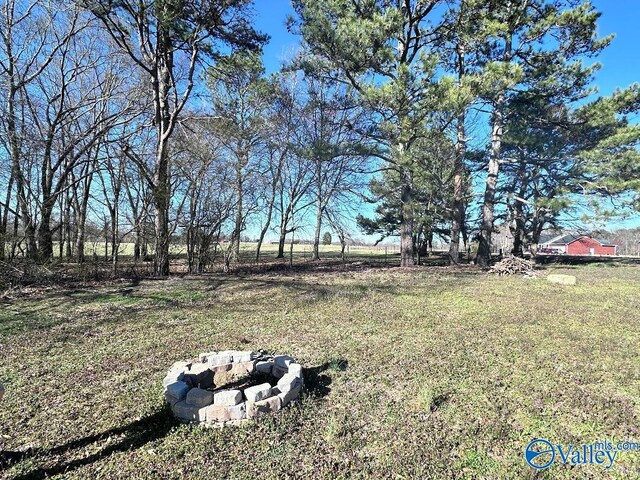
[284, 221]
[272, 201]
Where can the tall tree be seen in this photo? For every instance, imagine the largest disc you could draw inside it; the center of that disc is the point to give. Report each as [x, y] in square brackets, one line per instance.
[74, 107]
[32, 33]
[283, 122]
[240, 101]
[432, 189]
[559, 159]
[166, 39]
[528, 45]
[331, 144]
[613, 155]
[383, 50]
[461, 27]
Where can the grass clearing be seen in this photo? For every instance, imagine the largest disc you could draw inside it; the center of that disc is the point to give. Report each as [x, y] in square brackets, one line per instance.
[412, 373]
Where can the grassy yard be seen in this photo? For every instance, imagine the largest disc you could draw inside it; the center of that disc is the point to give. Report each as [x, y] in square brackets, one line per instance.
[411, 373]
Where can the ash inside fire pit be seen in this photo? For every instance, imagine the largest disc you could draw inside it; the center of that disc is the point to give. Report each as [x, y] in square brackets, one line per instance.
[231, 386]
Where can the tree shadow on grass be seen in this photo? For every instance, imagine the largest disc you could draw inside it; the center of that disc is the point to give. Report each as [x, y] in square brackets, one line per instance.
[317, 382]
[139, 433]
[135, 435]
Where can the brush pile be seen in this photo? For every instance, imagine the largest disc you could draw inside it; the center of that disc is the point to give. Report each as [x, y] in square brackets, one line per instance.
[514, 266]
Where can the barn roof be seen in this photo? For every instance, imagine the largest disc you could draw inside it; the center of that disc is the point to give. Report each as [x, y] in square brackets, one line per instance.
[568, 238]
[563, 239]
[604, 243]
[545, 237]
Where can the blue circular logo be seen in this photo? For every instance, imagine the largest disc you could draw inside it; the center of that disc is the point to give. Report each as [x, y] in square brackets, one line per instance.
[540, 453]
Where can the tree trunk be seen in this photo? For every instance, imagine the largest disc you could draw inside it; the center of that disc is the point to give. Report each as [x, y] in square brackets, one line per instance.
[517, 212]
[136, 245]
[518, 240]
[237, 231]
[457, 220]
[272, 201]
[264, 230]
[281, 242]
[80, 243]
[161, 206]
[114, 256]
[45, 236]
[536, 232]
[488, 207]
[62, 231]
[291, 250]
[4, 222]
[316, 236]
[14, 243]
[15, 145]
[406, 226]
[163, 123]
[115, 244]
[483, 257]
[161, 260]
[67, 226]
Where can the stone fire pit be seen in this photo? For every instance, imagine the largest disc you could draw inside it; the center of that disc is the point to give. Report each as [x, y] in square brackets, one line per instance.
[231, 386]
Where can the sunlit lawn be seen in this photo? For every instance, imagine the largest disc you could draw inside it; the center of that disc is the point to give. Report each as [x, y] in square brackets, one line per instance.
[412, 373]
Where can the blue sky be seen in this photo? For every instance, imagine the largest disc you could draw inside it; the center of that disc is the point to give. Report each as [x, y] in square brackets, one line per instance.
[620, 61]
[270, 17]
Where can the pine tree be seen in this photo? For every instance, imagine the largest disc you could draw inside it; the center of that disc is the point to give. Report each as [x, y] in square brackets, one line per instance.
[383, 50]
[532, 45]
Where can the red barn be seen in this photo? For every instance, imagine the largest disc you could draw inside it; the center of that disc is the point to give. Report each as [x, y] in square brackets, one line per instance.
[572, 244]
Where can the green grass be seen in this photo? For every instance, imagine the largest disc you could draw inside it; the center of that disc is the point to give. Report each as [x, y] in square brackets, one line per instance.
[412, 373]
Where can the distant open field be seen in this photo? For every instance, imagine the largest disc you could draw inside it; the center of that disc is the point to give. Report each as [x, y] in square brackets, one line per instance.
[267, 250]
[412, 373]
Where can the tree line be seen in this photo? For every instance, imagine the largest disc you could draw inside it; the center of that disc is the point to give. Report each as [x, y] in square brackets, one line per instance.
[158, 120]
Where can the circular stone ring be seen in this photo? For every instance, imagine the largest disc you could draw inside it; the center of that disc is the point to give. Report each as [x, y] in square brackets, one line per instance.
[231, 386]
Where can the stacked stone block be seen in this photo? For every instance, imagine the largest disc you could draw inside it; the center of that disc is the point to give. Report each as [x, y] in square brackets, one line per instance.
[193, 397]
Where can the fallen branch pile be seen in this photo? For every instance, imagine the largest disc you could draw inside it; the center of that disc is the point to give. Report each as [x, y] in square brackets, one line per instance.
[514, 266]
